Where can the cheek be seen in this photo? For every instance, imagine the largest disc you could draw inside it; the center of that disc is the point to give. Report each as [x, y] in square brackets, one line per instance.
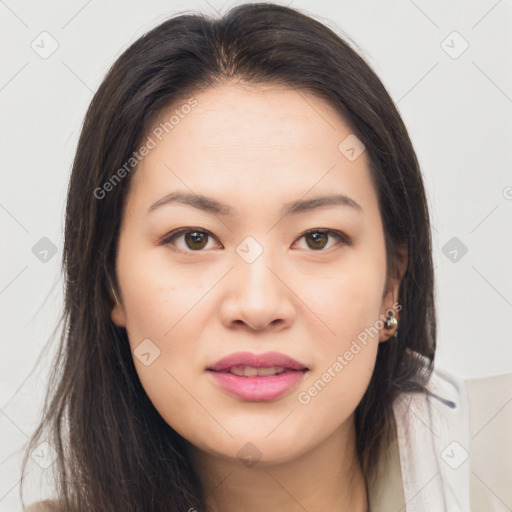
[156, 294]
[158, 315]
[352, 315]
[344, 361]
[163, 308]
[346, 345]
[348, 301]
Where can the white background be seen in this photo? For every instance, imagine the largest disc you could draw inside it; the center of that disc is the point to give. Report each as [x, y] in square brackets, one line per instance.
[458, 112]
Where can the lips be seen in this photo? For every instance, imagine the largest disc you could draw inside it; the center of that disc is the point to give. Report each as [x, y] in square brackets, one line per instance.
[280, 362]
[257, 377]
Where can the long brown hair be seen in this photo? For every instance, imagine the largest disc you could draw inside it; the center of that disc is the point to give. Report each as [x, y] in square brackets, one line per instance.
[115, 452]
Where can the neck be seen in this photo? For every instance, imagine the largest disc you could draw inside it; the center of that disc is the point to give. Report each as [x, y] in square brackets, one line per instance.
[326, 477]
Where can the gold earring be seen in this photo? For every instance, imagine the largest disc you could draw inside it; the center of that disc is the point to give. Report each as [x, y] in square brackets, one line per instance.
[392, 323]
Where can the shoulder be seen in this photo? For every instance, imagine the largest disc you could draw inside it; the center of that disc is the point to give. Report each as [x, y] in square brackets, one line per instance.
[463, 424]
[490, 416]
[490, 425]
[489, 413]
[486, 402]
[44, 506]
[487, 393]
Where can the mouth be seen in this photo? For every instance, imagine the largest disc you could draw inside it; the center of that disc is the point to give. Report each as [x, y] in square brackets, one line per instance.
[250, 371]
[253, 377]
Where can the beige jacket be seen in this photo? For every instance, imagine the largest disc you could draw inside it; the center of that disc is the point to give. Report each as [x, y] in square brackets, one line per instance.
[454, 448]
[453, 451]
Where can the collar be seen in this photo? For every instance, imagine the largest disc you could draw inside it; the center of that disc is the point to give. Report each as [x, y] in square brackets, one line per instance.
[427, 468]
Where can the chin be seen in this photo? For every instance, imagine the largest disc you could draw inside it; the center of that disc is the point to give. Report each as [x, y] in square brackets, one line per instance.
[253, 448]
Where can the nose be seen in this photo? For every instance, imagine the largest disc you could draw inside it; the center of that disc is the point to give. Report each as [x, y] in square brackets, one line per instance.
[257, 296]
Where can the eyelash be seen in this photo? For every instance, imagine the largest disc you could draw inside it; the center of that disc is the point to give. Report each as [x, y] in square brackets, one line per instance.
[173, 235]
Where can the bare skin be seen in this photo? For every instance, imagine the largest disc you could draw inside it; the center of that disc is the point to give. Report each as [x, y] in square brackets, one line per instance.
[256, 148]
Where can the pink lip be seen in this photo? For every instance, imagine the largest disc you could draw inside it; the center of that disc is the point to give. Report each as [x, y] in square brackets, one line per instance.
[257, 388]
[256, 361]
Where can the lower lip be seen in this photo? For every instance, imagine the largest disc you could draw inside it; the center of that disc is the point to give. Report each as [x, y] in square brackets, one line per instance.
[258, 389]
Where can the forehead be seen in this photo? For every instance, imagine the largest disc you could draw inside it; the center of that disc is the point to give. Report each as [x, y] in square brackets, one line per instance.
[251, 142]
[257, 114]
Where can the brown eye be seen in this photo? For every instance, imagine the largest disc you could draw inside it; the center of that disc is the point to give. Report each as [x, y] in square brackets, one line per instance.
[194, 240]
[318, 239]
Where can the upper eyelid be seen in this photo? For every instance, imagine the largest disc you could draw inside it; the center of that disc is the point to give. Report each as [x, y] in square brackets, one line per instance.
[181, 231]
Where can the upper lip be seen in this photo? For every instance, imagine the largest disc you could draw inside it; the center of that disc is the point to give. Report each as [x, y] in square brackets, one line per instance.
[248, 359]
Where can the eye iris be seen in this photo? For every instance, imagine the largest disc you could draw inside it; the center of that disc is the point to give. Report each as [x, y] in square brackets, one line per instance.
[195, 237]
[318, 238]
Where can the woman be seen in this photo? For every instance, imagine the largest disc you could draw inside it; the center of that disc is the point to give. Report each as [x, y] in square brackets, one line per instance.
[250, 321]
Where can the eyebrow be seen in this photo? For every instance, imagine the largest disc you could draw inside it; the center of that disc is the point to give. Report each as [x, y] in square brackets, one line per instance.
[211, 205]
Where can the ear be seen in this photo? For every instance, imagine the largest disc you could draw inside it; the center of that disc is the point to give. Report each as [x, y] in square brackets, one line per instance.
[390, 297]
[117, 314]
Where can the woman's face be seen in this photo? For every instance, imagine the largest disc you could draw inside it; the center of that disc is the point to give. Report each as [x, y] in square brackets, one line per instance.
[243, 276]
